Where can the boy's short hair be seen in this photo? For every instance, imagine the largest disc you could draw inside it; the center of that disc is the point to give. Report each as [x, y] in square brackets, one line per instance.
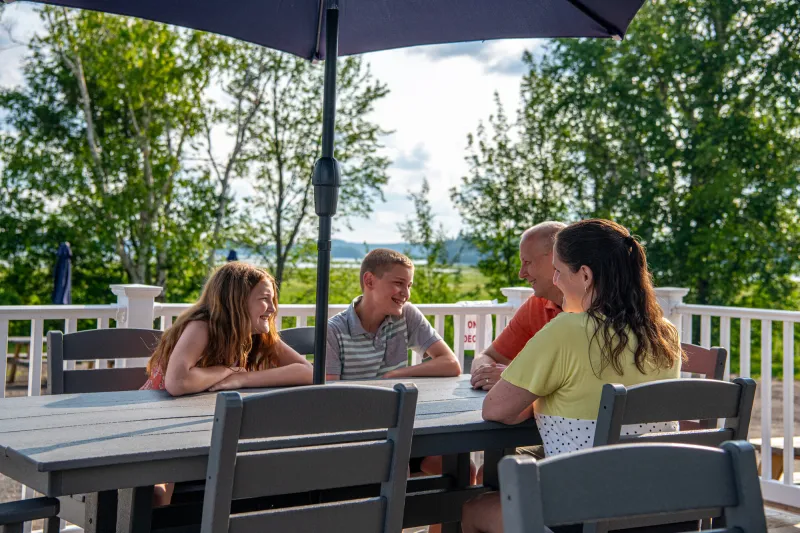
[379, 260]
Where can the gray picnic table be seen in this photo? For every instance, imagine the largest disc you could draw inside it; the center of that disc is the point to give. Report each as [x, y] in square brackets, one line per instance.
[115, 446]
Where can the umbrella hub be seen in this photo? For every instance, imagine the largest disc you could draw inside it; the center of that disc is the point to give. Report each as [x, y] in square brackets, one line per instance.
[326, 180]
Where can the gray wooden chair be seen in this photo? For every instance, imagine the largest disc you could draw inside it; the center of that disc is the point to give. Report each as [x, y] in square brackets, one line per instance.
[672, 400]
[301, 340]
[14, 514]
[307, 439]
[667, 401]
[121, 343]
[632, 481]
[708, 363]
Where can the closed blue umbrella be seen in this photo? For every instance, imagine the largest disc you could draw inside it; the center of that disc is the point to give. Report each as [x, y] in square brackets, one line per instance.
[232, 256]
[325, 29]
[62, 289]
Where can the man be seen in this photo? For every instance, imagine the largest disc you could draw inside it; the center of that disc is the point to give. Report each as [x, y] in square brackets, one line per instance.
[371, 338]
[536, 255]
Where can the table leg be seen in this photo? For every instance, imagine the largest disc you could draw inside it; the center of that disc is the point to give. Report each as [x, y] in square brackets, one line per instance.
[101, 512]
[490, 460]
[135, 510]
[456, 466]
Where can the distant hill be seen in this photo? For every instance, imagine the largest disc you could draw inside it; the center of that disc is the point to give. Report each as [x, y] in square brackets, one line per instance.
[458, 250]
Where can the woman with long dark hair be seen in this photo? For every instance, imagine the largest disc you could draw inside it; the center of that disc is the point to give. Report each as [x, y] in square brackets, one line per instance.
[612, 331]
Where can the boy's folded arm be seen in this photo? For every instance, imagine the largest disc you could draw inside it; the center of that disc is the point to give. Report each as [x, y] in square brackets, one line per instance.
[443, 363]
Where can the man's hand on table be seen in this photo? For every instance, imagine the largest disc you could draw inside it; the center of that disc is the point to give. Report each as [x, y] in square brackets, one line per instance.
[486, 376]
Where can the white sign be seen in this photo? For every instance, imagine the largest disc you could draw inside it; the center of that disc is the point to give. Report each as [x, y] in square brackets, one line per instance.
[471, 332]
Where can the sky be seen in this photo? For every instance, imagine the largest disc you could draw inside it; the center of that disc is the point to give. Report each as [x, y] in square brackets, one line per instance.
[438, 95]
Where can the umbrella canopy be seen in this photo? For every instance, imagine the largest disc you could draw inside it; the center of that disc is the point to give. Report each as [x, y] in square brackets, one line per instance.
[232, 256]
[311, 29]
[298, 26]
[62, 289]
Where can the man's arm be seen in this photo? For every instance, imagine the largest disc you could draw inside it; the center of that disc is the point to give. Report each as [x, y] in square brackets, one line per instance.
[487, 367]
[490, 356]
[443, 363]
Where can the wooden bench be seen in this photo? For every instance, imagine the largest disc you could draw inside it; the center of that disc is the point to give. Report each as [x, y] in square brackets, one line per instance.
[776, 447]
[15, 359]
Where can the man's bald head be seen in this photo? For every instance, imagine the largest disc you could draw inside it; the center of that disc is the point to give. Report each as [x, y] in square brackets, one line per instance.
[536, 258]
[542, 234]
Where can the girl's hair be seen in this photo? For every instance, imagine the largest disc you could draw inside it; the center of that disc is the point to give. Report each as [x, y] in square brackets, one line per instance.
[223, 306]
[624, 298]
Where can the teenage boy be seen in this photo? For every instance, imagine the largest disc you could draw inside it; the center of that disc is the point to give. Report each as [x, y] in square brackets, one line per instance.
[371, 338]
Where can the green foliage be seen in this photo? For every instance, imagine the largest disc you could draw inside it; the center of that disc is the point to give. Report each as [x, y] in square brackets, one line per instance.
[686, 132]
[109, 144]
[94, 151]
[283, 140]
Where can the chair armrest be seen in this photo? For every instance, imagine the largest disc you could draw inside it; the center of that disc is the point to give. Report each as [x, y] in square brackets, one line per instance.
[28, 510]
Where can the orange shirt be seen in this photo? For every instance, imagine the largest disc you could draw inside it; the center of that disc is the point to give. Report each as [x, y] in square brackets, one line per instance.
[526, 322]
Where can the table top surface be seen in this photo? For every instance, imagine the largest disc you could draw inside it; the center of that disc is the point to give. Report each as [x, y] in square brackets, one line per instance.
[72, 431]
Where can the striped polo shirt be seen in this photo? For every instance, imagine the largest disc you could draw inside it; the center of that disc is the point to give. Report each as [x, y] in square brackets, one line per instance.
[355, 353]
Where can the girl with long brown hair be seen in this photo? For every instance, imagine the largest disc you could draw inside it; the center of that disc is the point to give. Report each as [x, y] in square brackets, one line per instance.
[612, 330]
[228, 339]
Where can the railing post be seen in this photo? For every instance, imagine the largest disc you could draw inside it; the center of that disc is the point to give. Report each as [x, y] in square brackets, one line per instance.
[516, 296]
[137, 301]
[670, 298]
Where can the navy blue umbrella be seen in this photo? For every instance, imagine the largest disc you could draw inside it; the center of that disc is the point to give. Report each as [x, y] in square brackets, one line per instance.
[62, 289]
[326, 29]
[232, 256]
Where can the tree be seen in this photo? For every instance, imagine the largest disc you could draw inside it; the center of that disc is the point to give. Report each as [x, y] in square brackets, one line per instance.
[95, 146]
[686, 133]
[285, 140]
[516, 179]
[435, 278]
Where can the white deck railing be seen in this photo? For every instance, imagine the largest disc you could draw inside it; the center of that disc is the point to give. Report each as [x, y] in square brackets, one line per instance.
[136, 307]
[724, 320]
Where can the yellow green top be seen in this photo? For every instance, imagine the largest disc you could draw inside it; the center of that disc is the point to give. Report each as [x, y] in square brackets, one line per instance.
[560, 367]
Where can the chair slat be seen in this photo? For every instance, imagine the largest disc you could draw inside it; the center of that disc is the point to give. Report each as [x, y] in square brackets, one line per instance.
[709, 437]
[304, 469]
[326, 409]
[357, 516]
[699, 399]
[103, 380]
[118, 343]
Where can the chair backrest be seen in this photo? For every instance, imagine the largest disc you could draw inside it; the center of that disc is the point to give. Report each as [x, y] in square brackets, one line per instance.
[673, 400]
[708, 362]
[301, 340]
[309, 439]
[641, 480]
[121, 343]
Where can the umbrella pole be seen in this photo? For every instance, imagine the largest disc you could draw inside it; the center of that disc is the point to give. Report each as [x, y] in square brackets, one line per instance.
[326, 180]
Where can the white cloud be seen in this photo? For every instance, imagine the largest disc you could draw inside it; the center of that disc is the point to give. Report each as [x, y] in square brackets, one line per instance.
[438, 96]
